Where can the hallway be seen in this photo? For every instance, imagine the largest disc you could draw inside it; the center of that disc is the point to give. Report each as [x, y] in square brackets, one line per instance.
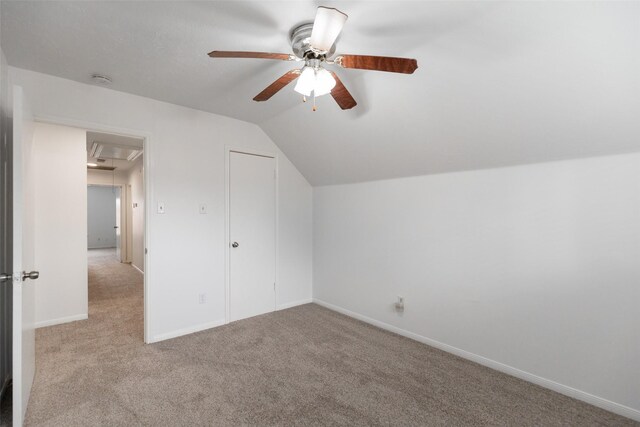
[73, 359]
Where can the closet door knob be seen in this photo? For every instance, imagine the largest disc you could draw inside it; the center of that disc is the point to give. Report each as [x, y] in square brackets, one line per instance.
[33, 275]
[235, 245]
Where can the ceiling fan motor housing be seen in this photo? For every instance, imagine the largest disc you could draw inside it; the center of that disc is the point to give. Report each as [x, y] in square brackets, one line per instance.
[300, 37]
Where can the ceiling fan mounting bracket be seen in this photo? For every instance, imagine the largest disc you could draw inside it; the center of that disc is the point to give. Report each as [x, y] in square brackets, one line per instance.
[300, 36]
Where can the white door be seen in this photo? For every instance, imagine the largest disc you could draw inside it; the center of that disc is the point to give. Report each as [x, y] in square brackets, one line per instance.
[252, 235]
[117, 226]
[24, 363]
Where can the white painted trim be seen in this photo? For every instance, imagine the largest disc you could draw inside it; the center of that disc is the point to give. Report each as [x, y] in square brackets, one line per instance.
[608, 405]
[186, 331]
[227, 152]
[294, 304]
[61, 320]
[146, 184]
[137, 268]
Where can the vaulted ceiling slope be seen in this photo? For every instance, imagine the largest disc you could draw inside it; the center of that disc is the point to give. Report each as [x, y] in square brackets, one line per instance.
[498, 84]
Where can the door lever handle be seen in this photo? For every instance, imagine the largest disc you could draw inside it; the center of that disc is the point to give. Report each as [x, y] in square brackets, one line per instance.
[33, 275]
[5, 277]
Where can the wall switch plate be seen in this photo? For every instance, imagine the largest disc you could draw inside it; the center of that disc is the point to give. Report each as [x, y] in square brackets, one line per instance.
[202, 298]
[203, 209]
[160, 207]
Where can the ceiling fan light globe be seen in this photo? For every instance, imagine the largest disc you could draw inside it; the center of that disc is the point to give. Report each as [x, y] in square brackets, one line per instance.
[324, 82]
[326, 28]
[306, 82]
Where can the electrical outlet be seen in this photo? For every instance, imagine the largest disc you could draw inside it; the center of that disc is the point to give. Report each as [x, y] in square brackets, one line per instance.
[400, 303]
[202, 298]
[160, 207]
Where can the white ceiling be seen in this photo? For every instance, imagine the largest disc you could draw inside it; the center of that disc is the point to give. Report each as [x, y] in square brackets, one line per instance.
[499, 83]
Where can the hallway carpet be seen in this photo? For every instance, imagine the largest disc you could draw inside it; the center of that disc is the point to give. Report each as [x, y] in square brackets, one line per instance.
[302, 366]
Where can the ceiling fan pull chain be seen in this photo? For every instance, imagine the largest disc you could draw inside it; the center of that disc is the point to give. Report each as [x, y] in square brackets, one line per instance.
[314, 101]
[304, 98]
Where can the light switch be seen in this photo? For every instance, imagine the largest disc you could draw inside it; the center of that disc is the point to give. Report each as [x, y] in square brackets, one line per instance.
[160, 207]
[203, 208]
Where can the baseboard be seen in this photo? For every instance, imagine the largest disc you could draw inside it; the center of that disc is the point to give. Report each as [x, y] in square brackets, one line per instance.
[295, 303]
[137, 268]
[608, 405]
[61, 320]
[185, 331]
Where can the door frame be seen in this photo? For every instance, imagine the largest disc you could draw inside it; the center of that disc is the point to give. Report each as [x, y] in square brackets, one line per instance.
[146, 186]
[124, 200]
[227, 229]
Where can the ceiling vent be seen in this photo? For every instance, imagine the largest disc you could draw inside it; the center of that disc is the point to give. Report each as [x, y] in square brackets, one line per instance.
[100, 150]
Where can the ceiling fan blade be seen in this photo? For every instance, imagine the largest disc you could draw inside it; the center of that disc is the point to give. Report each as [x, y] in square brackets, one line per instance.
[378, 63]
[257, 55]
[342, 95]
[326, 27]
[276, 86]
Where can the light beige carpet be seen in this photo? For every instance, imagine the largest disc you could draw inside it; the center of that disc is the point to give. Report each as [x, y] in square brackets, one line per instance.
[302, 366]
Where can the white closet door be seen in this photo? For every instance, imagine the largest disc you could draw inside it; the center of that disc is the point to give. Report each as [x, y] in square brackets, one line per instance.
[252, 232]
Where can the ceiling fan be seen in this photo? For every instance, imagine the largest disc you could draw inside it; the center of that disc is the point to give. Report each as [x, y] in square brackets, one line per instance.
[314, 44]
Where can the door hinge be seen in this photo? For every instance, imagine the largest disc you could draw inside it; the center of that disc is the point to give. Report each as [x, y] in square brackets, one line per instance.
[145, 251]
[274, 286]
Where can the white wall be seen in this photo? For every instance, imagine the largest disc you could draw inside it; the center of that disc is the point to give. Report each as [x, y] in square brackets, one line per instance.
[535, 267]
[101, 177]
[136, 181]
[59, 160]
[101, 217]
[185, 156]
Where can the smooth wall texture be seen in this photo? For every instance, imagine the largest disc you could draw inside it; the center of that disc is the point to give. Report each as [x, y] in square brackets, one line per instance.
[535, 267]
[60, 224]
[136, 181]
[186, 159]
[98, 177]
[101, 217]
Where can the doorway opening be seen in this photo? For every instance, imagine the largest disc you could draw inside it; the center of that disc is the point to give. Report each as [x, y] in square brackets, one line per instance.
[93, 187]
[115, 226]
[47, 224]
